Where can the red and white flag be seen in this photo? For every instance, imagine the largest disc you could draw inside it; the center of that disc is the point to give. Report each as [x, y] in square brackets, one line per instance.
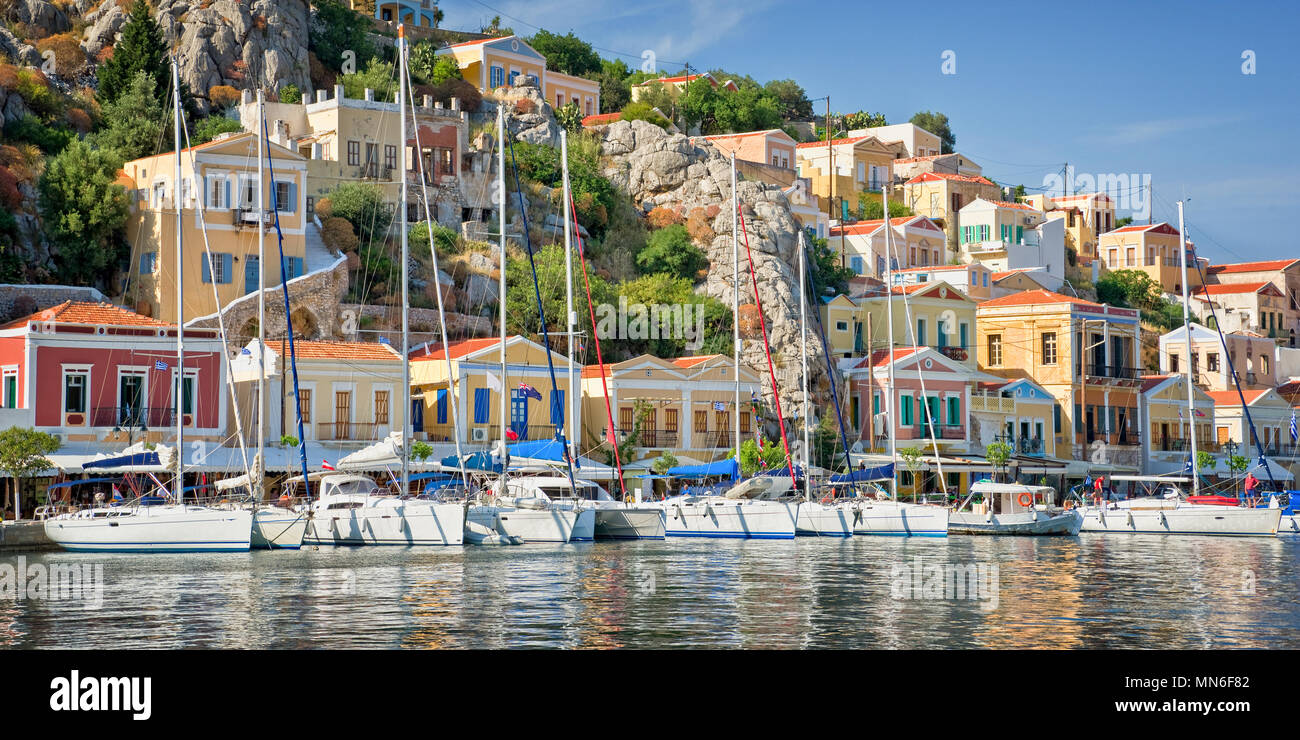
[325, 464]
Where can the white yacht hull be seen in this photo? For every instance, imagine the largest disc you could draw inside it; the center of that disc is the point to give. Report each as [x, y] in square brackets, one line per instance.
[1289, 524]
[1183, 519]
[165, 528]
[728, 518]
[402, 523]
[629, 523]
[895, 518]
[824, 520]
[535, 525]
[275, 528]
[1028, 523]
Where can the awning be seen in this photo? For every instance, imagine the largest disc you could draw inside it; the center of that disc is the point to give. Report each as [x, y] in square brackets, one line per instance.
[728, 468]
[1264, 466]
[1084, 469]
[881, 472]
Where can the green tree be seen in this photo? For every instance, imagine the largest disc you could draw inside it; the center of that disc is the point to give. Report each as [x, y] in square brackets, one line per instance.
[669, 250]
[937, 124]
[1237, 464]
[568, 53]
[912, 461]
[1205, 462]
[641, 111]
[753, 460]
[860, 120]
[362, 204]
[1130, 289]
[211, 127]
[135, 121]
[569, 117]
[998, 454]
[22, 453]
[378, 75]
[662, 464]
[792, 101]
[335, 29]
[615, 91]
[521, 302]
[824, 272]
[140, 48]
[420, 450]
[83, 210]
[447, 240]
[712, 334]
[431, 67]
[593, 195]
[719, 110]
[290, 94]
[871, 207]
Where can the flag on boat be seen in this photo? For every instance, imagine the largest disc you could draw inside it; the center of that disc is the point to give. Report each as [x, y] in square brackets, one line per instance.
[159, 365]
[512, 435]
[1294, 432]
[494, 382]
[117, 494]
[325, 464]
[527, 391]
[719, 406]
[246, 351]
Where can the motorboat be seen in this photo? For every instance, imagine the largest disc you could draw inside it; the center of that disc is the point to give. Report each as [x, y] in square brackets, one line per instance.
[1014, 509]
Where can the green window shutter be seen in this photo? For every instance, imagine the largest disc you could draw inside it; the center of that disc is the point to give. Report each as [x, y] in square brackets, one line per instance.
[875, 403]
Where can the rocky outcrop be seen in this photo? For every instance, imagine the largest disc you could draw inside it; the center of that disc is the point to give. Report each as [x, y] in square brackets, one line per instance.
[13, 48]
[528, 116]
[238, 43]
[39, 14]
[662, 170]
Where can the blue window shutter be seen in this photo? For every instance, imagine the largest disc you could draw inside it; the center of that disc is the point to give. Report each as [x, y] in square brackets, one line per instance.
[207, 269]
[251, 274]
[297, 265]
[226, 203]
[442, 405]
[227, 267]
[480, 405]
[417, 414]
[292, 205]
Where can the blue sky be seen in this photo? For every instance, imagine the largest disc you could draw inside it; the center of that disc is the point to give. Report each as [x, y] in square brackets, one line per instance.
[1113, 88]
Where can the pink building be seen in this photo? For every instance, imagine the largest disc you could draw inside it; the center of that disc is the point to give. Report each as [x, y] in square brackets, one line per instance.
[944, 400]
[772, 147]
[97, 372]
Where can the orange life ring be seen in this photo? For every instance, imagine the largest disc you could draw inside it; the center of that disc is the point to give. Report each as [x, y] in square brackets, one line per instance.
[827, 499]
[1021, 499]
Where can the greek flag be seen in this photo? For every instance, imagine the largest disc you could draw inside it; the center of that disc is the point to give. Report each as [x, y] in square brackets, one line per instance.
[159, 365]
[1294, 432]
[719, 406]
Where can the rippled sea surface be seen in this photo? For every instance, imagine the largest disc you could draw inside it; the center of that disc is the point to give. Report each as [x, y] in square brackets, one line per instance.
[1093, 591]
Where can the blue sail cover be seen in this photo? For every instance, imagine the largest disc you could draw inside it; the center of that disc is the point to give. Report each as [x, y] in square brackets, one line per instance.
[475, 461]
[539, 449]
[137, 459]
[866, 474]
[728, 468]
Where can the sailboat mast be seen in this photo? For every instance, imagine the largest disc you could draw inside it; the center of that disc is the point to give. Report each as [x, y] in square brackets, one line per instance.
[261, 294]
[735, 299]
[890, 421]
[406, 267]
[501, 284]
[1187, 330]
[180, 289]
[803, 351]
[568, 290]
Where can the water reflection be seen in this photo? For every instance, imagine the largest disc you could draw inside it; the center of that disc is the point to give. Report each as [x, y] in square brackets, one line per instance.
[1091, 591]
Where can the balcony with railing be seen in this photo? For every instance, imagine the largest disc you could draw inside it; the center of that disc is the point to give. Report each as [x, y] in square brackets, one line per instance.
[717, 439]
[348, 431]
[1172, 444]
[247, 217]
[1024, 446]
[133, 417]
[1117, 372]
[1120, 439]
[992, 402]
[936, 431]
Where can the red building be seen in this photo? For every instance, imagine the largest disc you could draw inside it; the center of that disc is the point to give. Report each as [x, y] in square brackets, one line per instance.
[97, 372]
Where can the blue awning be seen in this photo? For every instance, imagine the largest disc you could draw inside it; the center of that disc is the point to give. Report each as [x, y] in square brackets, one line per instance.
[539, 449]
[726, 468]
[138, 459]
[87, 481]
[865, 474]
[475, 461]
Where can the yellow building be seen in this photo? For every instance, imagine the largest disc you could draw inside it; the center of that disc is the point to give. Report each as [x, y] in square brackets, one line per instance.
[1016, 412]
[1087, 355]
[495, 62]
[1152, 249]
[1251, 354]
[1086, 216]
[223, 173]
[916, 242]
[934, 314]
[689, 404]
[846, 168]
[940, 195]
[675, 86]
[1163, 408]
[350, 392]
[1283, 273]
[476, 389]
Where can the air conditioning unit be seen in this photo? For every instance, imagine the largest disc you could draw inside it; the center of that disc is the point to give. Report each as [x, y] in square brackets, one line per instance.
[479, 435]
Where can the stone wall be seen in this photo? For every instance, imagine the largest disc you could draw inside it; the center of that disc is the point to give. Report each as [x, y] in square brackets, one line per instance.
[17, 301]
[314, 299]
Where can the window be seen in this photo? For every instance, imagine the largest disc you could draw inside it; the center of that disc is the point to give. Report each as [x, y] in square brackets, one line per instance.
[954, 411]
[670, 421]
[1263, 363]
[11, 387]
[701, 422]
[964, 331]
[354, 152]
[856, 264]
[906, 409]
[1173, 363]
[74, 391]
[390, 156]
[218, 192]
[442, 405]
[1049, 348]
[148, 263]
[841, 326]
[381, 407]
[1056, 419]
[286, 195]
[187, 392]
[920, 332]
[304, 404]
[481, 401]
[496, 77]
[217, 267]
[1212, 362]
[445, 167]
[995, 349]
[744, 421]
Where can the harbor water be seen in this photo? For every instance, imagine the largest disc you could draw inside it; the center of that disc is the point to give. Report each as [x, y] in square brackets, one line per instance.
[1091, 591]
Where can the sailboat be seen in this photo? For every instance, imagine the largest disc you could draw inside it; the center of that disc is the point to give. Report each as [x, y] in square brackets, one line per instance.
[1172, 513]
[149, 524]
[351, 509]
[753, 508]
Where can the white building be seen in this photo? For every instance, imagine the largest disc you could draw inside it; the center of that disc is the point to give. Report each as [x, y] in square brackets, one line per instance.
[1009, 236]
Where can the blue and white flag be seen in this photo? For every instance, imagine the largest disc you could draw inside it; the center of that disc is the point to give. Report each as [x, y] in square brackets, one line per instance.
[1294, 432]
[159, 365]
[246, 351]
[719, 406]
[527, 391]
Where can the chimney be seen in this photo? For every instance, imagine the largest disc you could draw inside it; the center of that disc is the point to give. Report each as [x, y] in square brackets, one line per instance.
[245, 97]
[338, 93]
[370, 95]
[320, 96]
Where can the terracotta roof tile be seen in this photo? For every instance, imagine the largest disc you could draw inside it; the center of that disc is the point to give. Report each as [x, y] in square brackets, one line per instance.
[1230, 398]
[458, 349]
[1234, 288]
[1265, 266]
[933, 176]
[1033, 297]
[313, 350]
[94, 314]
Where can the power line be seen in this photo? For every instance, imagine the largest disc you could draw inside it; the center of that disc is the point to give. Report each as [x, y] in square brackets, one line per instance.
[597, 48]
